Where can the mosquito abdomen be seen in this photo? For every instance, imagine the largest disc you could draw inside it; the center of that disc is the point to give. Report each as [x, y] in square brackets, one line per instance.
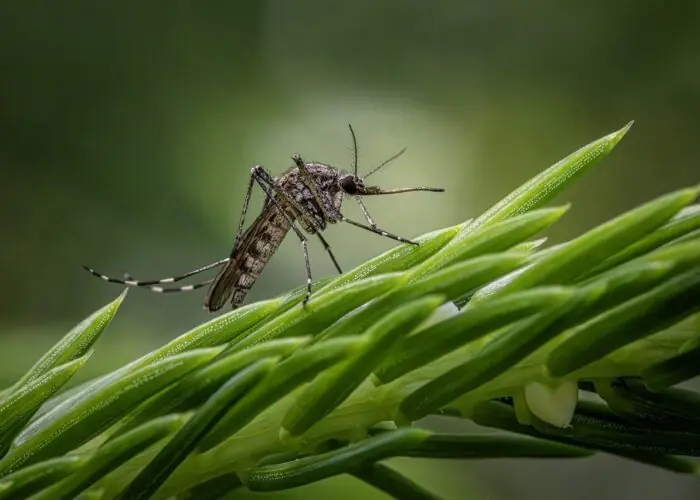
[258, 244]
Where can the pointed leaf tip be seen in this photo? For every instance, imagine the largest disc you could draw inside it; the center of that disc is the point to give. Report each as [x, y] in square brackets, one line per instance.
[76, 421]
[623, 131]
[544, 186]
[76, 342]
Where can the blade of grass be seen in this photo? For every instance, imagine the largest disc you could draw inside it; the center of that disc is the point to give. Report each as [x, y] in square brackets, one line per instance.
[67, 427]
[452, 282]
[298, 369]
[111, 455]
[314, 468]
[17, 409]
[635, 319]
[195, 388]
[320, 312]
[331, 388]
[151, 477]
[29, 480]
[470, 324]
[572, 260]
[393, 483]
[75, 343]
[546, 185]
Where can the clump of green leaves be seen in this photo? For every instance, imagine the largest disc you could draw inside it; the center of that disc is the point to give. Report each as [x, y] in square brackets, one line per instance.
[563, 351]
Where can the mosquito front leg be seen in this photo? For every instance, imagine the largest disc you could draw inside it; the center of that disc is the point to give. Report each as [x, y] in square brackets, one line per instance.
[369, 219]
[270, 187]
[246, 202]
[379, 231]
[330, 252]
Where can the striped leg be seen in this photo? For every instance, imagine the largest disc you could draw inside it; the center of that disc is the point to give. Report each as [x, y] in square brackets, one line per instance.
[379, 231]
[330, 252]
[369, 219]
[246, 202]
[177, 289]
[154, 285]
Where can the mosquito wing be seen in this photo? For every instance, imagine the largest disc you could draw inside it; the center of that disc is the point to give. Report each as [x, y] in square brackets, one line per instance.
[248, 259]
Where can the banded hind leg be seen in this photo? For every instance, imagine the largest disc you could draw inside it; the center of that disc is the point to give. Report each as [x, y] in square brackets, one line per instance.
[155, 285]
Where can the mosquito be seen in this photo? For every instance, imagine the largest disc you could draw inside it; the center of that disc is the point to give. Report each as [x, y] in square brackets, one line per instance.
[305, 198]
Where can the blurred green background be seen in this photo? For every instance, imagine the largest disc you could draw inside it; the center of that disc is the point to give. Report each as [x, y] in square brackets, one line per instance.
[127, 133]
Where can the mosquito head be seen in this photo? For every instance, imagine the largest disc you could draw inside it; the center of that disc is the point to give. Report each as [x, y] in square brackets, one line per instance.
[354, 185]
[351, 184]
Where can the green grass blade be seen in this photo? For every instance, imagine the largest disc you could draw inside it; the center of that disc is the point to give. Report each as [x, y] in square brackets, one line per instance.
[184, 442]
[635, 319]
[581, 254]
[18, 407]
[671, 409]
[673, 370]
[76, 342]
[594, 423]
[398, 258]
[495, 238]
[299, 368]
[453, 282]
[331, 388]
[393, 483]
[549, 183]
[195, 388]
[685, 222]
[504, 350]
[311, 469]
[94, 494]
[502, 416]
[482, 446]
[71, 425]
[218, 331]
[111, 455]
[470, 324]
[29, 480]
[320, 311]
[213, 489]
[529, 246]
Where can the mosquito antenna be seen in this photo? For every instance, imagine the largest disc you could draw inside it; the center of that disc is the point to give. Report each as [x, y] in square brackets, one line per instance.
[385, 162]
[354, 149]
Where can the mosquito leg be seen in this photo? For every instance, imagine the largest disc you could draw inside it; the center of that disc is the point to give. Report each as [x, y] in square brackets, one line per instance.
[370, 221]
[379, 231]
[305, 248]
[137, 283]
[246, 202]
[268, 185]
[176, 289]
[330, 252]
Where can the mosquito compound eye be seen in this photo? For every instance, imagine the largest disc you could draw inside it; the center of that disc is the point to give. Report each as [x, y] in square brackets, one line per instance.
[348, 184]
